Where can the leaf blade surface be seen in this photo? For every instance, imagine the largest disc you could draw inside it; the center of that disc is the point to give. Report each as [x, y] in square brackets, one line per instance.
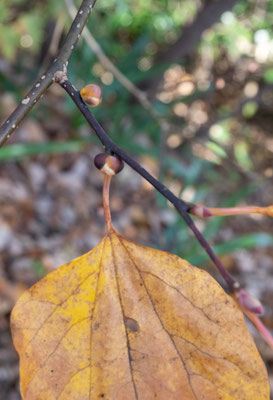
[128, 322]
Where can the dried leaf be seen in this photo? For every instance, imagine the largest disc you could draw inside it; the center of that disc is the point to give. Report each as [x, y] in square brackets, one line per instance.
[128, 322]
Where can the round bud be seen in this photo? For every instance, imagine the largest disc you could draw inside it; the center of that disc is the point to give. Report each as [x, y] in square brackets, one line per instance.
[91, 95]
[109, 165]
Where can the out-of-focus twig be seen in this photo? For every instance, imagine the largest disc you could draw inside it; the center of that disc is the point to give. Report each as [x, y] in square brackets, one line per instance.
[55, 41]
[185, 45]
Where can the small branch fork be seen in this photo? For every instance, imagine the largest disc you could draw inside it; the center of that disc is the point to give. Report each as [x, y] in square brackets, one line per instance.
[57, 72]
[42, 84]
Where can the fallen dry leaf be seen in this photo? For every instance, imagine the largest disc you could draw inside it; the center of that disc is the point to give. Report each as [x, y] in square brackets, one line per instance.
[128, 322]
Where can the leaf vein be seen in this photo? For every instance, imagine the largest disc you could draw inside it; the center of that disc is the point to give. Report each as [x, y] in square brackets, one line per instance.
[122, 310]
[158, 316]
[91, 318]
[55, 309]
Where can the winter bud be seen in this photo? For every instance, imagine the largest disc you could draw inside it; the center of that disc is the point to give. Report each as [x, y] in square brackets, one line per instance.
[249, 302]
[109, 165]
[200, 211]
[91, 95]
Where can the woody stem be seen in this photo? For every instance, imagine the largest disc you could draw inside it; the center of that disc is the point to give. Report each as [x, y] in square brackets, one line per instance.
[238, 210]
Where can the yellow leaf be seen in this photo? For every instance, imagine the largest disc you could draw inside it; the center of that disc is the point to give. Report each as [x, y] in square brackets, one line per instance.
[126, 322]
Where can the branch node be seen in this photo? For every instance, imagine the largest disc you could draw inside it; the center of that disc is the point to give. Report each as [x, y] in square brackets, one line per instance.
[61, 76]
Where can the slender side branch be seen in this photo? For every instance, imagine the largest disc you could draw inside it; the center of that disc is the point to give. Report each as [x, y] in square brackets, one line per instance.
[205, 212]
[179, 204]
[60, 63]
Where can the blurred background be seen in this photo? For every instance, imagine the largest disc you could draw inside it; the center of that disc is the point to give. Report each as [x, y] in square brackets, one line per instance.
[207, 69]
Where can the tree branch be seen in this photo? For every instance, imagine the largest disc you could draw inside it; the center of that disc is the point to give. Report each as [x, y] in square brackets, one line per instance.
[179, 204]
[60, 63]
[190, 37]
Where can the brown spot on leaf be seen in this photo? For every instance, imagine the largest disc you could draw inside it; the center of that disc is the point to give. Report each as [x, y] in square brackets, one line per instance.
[131, 324]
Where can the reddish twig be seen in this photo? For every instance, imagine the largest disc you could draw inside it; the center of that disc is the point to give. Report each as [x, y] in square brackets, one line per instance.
[205, 212]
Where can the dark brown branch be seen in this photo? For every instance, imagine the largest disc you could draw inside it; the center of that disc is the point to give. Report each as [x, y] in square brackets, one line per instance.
[60, 63]
[190, 37]
[179, 204]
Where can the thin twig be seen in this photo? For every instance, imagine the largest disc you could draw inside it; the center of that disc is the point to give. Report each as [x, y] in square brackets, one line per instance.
[140, 95]
[55, 41]
[186, 43]
[205, 212]
[60, 63]
[181, 206]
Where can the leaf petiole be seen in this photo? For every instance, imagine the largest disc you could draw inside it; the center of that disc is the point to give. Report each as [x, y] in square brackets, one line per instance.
[106, 204]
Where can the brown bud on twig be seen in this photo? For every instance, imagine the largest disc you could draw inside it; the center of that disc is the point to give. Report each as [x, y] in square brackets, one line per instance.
[200, 211]
[109, 165]
[91, 95]
[248, 302]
